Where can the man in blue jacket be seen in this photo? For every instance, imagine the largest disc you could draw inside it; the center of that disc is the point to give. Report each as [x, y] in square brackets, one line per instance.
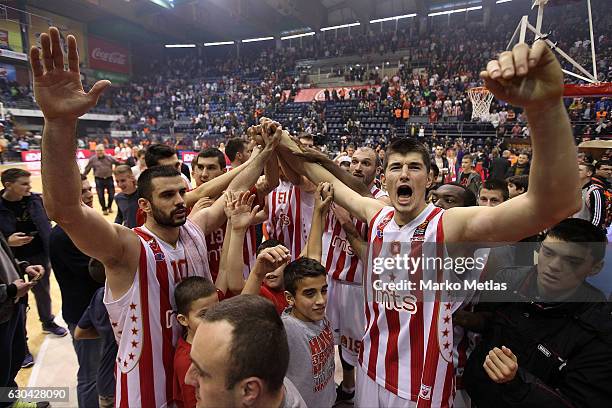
[26, 227]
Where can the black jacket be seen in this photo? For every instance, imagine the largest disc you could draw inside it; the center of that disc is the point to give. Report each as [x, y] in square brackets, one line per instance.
[512, 170]
[564, 350]
[7, 304]
[498, 168]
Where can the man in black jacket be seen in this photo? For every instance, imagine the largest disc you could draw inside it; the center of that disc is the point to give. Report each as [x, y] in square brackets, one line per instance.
[499, 166]
[551, 345]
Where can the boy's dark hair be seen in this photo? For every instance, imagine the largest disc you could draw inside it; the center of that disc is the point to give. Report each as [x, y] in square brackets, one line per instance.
[521, 181]
[581, 231]
[497, 185]
[268, 243]
[407, 145]
[299, 269]
[11, 175]
[191, 289]
[145, 181]
[469, 199]
[157, 152]
[435, 170]
[469, 156]
[212, 152]
[258, 339]
[233, 147]
[602, 163]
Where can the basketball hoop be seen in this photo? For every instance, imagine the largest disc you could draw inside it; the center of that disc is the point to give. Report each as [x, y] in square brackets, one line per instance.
[481, 99]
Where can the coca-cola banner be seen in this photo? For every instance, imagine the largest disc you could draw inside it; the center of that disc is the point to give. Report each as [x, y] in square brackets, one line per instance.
[35, 155]
[108, 56]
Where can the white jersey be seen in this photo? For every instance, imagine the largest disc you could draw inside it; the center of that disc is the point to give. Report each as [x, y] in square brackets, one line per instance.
[289, 216]
[143, 322]
[408, 342]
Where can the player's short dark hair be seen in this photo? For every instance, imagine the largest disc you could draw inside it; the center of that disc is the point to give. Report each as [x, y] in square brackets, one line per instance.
[234, 146]
[435, 170]
[157, 152]
[96, 269]
[268, 243]
[258, 347]
[602, 163]
[299, 269]
[469, 199]
[496, 185]
[11, 175]
[590, 168]
[583, 232]
[212, 152]
[191, 289]
[145, 181]
[521, 181]
[405, 145]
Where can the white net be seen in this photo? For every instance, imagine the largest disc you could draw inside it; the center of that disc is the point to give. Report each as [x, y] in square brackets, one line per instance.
[481, 102]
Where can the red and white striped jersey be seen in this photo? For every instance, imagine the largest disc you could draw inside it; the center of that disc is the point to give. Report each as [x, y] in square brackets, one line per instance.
[408, 343]
[377, 192]
[144, 325]
[214, 243]
[340, 260]
[290, 216]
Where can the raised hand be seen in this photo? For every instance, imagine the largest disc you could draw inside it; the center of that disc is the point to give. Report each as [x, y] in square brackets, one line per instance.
[531, 78]
[271, 259]
[323, 197]
[242, 213]
[59, 92]
[18, 239]
[202, 203]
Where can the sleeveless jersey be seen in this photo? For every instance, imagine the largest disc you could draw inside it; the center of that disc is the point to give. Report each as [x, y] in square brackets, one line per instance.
[407, 346]
[144, 325]
[214, 243]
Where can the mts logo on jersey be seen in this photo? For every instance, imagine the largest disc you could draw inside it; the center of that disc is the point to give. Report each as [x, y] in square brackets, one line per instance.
[343, 245]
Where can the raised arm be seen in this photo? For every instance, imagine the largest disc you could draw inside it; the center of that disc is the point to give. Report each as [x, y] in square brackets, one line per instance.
[267, 261]
[323, 198]
[531, 78]
[61, 98]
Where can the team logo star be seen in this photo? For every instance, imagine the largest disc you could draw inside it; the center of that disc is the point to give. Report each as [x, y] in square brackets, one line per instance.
[446, 345]
[132, 356]
[446, 319]
[134, 318]
[132, 306]
[135, 331]
[134, 343]
[445, 333]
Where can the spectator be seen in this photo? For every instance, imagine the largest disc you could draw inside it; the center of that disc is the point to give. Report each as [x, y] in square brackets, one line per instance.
[499, 166]
[593, 198]
[451, 195]
[102, 165]
[521, 167]
[127, 199]
[493, 192]
[467, 176]
[517, 185]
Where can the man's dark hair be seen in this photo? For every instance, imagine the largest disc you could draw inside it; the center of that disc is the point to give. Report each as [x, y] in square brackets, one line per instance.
[469, 199]
[268, 243]
[11, 175]
[299, 269]
[497, 185]
[407, 145]
[191, 289]
[602, 163]
[521, 181]
[590, 168]
[258, 347]
[145, 181]
[581, 231]
[233, 147]
[157, 152]
[212, 152]
[435, 170]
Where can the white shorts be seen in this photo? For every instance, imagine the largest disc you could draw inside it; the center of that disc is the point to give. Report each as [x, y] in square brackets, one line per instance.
[345, 311]
[369, 394]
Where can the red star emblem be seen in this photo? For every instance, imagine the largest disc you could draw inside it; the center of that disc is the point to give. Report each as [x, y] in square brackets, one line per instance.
[134, 318]
[134, 331]
[447, 319]
[134, 343]
[120, 332]
[125, 363]
[447, 306]
[132, 306]
[114, 324]
[131, 356]
[446, 345]
[445, 333]
[119, 359]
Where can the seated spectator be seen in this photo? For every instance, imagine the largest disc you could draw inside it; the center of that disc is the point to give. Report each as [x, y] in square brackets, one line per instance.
[550, 346]
[517, 185]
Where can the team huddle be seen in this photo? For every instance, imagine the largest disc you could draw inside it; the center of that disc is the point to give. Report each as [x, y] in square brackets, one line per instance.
[184, 290]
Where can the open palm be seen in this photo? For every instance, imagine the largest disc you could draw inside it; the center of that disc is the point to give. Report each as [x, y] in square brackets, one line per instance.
[59, 92]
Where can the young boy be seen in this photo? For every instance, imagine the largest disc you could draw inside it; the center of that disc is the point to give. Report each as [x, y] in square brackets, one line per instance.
[309, 334]
[193, 297]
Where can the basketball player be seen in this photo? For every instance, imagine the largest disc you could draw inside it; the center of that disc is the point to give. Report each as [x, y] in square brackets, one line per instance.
[422, 374]
[142, 265]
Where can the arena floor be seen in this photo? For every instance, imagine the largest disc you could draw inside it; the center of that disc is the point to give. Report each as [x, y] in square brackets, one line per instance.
[55, 360]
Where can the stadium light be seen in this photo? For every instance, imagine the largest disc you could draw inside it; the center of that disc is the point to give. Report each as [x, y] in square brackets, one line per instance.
[289, 37]
[248, 40]
[212, 44]
[502, 1]
[180, 45]
[440, 13]
[340, 26]
[381, 20]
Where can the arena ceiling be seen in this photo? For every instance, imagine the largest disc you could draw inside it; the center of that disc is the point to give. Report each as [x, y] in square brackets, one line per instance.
[223, 20]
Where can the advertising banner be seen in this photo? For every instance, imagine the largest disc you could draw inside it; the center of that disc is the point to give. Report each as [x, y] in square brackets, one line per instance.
[318, 94]
[34, 155]
[108, 56]
[10, 36]
[188, 156]
[8, 72]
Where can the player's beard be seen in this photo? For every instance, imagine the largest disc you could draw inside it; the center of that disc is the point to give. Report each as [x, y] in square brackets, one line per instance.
[168, 220]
